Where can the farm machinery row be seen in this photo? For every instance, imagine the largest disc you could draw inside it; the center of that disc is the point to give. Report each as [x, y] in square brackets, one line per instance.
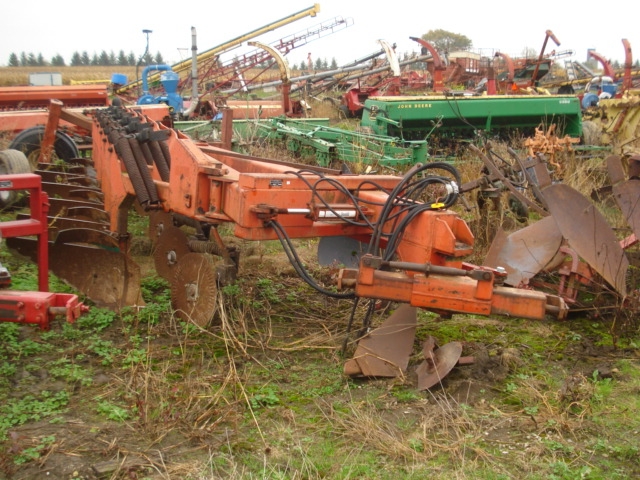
[390, 238]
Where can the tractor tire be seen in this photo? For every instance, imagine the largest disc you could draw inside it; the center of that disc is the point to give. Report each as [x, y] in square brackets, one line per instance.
[345, 111]
[331, 101]
[28, 142]
[566, 90]
[12, 162]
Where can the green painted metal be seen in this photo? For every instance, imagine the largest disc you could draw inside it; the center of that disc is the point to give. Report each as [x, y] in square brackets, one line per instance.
[334, 145]
[242, 129]
[416, 118]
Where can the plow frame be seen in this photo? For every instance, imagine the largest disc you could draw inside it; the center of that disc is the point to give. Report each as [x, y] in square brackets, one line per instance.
[214, 186]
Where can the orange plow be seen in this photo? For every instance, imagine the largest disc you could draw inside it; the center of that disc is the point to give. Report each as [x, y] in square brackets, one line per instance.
[411, 243]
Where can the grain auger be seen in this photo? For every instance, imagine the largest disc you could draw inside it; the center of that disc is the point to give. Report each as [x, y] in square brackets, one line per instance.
[412, 244]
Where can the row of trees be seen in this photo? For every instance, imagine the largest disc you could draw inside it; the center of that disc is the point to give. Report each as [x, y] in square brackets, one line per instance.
[319, 64]
[107, 59]
[83, 59]
[441, 39]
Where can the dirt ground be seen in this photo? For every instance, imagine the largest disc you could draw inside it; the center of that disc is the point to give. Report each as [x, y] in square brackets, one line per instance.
[261, 394]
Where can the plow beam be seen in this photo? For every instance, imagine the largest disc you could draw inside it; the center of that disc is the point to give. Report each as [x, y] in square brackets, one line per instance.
[448, 289]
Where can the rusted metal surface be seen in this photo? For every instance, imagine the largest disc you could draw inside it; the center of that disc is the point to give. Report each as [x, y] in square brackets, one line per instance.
[437, 364]
[81, 249]
[34, 307]
[626, 191]
[512, 177]
[549, 144]
[438, 65]
[548, 35]
[89, 260]
[53, 176]
[57, 223]
[70, 191]
[589, 234]
[525, 252]
[49, 137]
[213, 185]
[170, 247]
[194, 288]
[385, 351]
[204, 186]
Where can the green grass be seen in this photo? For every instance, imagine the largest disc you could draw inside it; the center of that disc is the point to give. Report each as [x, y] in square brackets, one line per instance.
[262, 394]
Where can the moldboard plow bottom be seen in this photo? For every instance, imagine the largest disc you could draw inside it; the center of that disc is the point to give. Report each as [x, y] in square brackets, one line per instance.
[576, 246]
[90, 262]
[82, 251]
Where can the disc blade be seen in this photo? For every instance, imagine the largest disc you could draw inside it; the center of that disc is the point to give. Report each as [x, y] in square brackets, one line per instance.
[438, 364]
[108, 277]
[57, 205]
[74, 192]
[66, 223]
[170, 247]
[194, 288]
[157, 221]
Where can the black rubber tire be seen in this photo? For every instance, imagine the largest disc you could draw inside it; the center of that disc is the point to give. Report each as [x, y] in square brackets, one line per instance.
[12, 162]
[345, 111]
[28, 142]
[566, 90]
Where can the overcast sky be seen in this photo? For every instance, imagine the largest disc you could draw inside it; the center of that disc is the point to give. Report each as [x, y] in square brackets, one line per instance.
[62, 27]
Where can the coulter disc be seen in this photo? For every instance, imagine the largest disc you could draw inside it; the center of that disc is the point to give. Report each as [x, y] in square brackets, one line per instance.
[194, 288]
[437, 364]
[158, 220]
[170, 247]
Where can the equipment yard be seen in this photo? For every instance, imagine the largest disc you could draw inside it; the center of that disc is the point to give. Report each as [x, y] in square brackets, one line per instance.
[231, 268]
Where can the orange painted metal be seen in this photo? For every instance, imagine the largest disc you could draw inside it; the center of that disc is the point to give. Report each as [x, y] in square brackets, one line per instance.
[20, 98]
[49, 137]
[216, 186]
[438, 65]
[16, 121]
[446, 293]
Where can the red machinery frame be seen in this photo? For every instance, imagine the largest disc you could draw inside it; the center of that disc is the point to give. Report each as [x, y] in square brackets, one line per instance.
[34, 307]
